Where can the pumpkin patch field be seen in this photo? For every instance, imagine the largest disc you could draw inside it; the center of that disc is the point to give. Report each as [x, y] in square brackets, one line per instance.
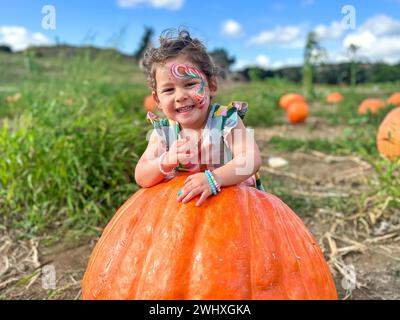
[73, 128]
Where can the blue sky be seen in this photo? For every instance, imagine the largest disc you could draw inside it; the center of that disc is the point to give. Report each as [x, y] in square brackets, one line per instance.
[267, 33]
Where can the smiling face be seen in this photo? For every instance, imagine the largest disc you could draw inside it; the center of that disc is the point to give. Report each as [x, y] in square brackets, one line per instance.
[183, 92]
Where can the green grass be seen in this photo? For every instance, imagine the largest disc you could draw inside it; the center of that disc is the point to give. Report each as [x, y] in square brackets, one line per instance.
[69, 146]
[306, 207]
[352, 141]
[262, 98]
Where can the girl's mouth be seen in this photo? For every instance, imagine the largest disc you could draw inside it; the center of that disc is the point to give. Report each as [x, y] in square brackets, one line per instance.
[185, 109]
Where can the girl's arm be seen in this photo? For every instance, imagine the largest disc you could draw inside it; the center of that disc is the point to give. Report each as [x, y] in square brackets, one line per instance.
[147, 172]
[246, 157]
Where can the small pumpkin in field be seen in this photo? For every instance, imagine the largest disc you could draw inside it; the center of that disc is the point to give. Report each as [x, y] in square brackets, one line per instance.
[158, 248]
[394, 99]
[149, 103]
[14, 98]
[297, 112]
[334, 97]
[286, 100]
[388, 137]
[371, 105]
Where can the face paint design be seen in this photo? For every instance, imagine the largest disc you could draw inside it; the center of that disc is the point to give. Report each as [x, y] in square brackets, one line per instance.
[201, 96]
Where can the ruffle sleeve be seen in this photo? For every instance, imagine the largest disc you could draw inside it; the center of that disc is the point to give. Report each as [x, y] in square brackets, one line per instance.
[230, 115]
[161, 126]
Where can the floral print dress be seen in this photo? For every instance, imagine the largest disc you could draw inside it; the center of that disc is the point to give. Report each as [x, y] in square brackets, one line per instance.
[213, 148]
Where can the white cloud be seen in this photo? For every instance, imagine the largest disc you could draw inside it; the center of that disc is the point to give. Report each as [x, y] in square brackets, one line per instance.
[332, 32]
[232, 28]
[288, 35]
[240, 64]
[291, 62]
[167, 4]
[382, 25]
[266, 62]
[263, 61]
[18, 38]
[378, 39]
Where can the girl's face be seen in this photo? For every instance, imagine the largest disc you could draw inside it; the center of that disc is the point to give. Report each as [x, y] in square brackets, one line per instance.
[183, 92]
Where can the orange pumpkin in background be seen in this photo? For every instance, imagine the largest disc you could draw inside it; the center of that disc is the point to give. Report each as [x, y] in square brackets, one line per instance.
[149, 103]
[388, 137]
[158, 248]
[286, 100]
[297, 112]
[334, 97]
[394, 99]
[371, 105]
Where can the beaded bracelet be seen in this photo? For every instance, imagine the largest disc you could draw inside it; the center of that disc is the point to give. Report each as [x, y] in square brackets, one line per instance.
[214, 181]
[159, 164]
[211, 180]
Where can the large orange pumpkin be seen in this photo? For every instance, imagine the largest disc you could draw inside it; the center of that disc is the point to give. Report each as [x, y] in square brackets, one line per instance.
[297, 112]
[286, 100]
[371, 105]
[394, 99]
[334, 97]
[149, 103]
[158, 248]
[388, 137]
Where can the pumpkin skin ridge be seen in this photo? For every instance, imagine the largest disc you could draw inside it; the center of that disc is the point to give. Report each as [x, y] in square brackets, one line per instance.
[132, 224]
[330, 288]
[293, 237]
[305, 244]
[278, 207]
[323, 268]
[138, 219]
[135, 285]
[174, 280]
[206, 240]
[268, 284]
[321, 263]
[105, 235]
[196, 236]
[244, 201]
[251, 241]
[262, 253]
[156, 231]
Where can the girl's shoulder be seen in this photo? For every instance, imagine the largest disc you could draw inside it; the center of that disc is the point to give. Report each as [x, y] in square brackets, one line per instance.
[156, 121]
[234, 107]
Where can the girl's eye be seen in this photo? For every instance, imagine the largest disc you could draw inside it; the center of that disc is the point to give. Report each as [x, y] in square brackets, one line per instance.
[167, 90]
[191, 84]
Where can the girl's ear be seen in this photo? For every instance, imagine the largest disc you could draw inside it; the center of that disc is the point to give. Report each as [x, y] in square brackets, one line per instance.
[213, 87]
[155, 97]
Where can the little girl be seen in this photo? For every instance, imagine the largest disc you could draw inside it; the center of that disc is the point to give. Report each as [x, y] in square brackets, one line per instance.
[197, 136]
[243, 244]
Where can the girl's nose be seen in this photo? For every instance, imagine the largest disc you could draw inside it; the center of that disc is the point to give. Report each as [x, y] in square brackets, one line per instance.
[180, 95]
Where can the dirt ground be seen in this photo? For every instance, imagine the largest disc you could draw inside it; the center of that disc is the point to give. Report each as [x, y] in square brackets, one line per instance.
[364, 260]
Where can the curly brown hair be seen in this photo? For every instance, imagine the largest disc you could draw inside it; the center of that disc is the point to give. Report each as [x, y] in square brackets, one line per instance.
[174, 43]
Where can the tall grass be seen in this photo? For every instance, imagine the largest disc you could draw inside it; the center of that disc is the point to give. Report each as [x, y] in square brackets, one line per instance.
[70, 148]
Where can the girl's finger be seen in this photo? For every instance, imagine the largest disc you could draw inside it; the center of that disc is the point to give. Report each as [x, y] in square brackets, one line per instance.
[191, 194]
[188, 179]
[203, 197]
[184, 158]
[182, 193]
[181, 141]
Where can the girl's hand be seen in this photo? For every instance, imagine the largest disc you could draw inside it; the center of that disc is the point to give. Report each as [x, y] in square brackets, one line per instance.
[196, 184]
[181, 151]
